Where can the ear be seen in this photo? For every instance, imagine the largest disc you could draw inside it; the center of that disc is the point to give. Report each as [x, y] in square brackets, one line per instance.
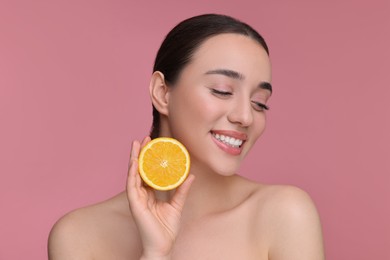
[159, 92]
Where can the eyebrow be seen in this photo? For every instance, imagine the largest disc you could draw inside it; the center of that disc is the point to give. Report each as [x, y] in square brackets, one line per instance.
[228, 73]
[266, 85]
[236, 75]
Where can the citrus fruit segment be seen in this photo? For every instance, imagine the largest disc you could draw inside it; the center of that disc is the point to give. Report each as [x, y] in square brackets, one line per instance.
[164, 163]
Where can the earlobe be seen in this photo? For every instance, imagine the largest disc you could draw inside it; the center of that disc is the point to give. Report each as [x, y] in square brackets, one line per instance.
[159, 93]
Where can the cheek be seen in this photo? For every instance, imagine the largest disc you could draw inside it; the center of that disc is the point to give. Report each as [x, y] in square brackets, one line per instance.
[186, 110]
[193, 107]
[260, 126]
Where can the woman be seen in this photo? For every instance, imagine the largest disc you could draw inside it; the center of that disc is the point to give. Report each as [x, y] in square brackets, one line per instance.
[209, 89]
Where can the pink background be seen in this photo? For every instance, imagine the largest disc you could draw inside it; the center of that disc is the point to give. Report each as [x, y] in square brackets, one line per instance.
[74, 77]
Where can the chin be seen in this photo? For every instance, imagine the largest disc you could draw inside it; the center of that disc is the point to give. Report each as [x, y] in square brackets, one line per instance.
[226, 170]
[227, 174]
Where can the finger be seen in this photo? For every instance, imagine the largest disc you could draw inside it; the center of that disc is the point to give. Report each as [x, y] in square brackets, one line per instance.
[138, 180]
[132, 151]
[136, 193]
[181, 193]
[145, 141]
[133, 154]
[133, 168]
[130, 163]
[135, 150]
[131, 179]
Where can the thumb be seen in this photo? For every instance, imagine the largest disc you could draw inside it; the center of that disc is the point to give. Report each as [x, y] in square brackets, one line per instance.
[181, 193]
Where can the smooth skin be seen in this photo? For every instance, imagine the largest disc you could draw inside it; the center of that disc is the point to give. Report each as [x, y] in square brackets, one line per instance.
[215, 213]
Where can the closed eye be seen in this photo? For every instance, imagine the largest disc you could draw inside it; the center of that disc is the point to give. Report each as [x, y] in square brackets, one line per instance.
[260, 106]
[221, 93]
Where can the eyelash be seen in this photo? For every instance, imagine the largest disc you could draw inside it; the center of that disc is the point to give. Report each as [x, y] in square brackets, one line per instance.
[261, 106]
[222, 93]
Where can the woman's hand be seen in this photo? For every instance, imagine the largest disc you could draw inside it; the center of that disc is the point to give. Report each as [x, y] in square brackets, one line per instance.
[158, 222]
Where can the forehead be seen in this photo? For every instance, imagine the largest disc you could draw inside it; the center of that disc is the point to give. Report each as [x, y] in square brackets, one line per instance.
[235, 52]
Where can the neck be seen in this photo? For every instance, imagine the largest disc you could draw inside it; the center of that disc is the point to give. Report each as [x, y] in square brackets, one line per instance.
[209, 193]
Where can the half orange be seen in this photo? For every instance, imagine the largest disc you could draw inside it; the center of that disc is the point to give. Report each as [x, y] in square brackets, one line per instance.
[164, 163]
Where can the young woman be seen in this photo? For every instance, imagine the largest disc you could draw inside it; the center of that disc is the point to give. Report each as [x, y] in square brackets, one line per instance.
[209, 89]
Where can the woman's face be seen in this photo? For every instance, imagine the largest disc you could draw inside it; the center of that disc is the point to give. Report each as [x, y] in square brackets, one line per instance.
[216, 108]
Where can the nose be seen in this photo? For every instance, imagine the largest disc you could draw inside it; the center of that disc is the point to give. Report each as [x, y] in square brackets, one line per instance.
[241, 113]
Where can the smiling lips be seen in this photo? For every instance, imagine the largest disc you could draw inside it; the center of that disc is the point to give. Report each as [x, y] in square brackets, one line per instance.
[229, 141]
[233, 142]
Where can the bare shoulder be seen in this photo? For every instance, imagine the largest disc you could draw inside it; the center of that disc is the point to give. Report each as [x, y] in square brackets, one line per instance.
[286, 199]
[80, 233]
[276, 198]
[292, 222]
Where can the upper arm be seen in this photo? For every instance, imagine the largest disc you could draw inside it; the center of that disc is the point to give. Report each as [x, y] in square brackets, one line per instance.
[296, 228]
[65, 240]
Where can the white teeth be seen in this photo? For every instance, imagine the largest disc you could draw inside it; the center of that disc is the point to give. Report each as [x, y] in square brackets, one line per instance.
[229, 140]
